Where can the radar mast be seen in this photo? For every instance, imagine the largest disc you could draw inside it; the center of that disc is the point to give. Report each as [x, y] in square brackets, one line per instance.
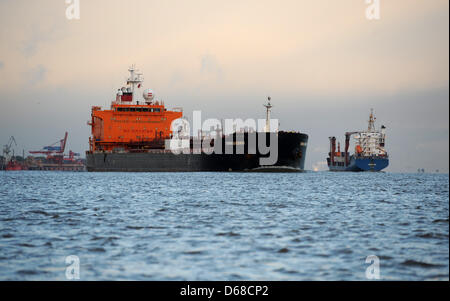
[133, 80]
[372, 119]
[268, 110]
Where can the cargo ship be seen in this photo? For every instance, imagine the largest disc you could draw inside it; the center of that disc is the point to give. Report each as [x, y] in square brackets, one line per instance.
[370, 153]
[138, 135]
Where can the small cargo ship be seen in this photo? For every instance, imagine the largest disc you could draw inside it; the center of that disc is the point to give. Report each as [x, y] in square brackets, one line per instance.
[14, 165]
[9, 162]
[135, 135]
[370, 153]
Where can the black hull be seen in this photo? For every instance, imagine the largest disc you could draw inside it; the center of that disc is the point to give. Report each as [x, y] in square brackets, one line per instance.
[291, 157]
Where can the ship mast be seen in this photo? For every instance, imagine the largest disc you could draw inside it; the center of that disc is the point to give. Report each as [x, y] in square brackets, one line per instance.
[135, 79]
[371, 127]
[268, 109]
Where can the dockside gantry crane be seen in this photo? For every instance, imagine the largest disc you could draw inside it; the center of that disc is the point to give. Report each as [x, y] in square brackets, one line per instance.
[54, 152]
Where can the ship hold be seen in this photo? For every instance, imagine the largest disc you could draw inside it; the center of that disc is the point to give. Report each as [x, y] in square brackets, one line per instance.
[370, 153]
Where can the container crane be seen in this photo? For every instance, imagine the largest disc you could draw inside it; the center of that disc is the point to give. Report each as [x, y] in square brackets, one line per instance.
[71, 158]
[54, 152]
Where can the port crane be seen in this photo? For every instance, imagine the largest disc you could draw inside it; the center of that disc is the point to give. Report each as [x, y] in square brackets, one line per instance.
[71, 157]
[7, 149]
[54, 152]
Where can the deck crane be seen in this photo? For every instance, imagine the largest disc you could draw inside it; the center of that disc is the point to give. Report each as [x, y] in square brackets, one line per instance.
[347, 144]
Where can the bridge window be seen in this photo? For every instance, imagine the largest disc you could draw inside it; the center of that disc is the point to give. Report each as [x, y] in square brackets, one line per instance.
[138, 110]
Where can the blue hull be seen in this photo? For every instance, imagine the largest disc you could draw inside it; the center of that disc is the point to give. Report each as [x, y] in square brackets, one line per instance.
[369, 164]
[363, 164]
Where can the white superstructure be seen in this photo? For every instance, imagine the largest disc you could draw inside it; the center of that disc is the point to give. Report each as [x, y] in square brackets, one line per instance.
[371, 142]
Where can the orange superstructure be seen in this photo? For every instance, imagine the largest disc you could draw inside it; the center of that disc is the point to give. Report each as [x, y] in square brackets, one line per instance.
[130, 124]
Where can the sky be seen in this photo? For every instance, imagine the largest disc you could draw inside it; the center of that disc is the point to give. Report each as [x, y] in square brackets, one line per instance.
[324, 64]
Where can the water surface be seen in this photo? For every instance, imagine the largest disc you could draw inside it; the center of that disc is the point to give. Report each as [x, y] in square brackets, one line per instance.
[223, 226]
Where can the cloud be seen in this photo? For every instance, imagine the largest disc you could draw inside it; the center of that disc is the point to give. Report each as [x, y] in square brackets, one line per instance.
[324, 64]
[210, 66]
[37, 75]
[38, 36]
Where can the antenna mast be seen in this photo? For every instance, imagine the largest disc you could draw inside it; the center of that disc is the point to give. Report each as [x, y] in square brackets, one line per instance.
[268, 109]
[371, 127]
[135, 79]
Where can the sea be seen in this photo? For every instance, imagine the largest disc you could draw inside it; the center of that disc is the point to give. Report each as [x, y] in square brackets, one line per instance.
[223, 226]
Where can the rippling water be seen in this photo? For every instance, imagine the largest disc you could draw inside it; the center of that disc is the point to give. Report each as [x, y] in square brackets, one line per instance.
[223, 226]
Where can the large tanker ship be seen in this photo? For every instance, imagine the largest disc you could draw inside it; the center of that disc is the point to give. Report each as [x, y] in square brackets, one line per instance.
[137, 135]
[370, 153]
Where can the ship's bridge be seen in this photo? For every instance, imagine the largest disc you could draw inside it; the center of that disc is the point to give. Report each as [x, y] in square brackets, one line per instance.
[139, 108]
